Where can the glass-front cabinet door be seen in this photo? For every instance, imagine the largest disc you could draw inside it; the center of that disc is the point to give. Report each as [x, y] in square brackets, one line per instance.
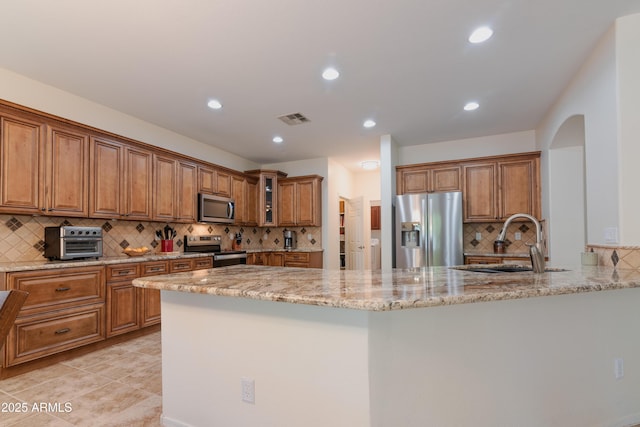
[268, 196]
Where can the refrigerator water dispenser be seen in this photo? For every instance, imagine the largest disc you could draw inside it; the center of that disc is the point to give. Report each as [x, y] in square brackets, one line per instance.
[410, 234]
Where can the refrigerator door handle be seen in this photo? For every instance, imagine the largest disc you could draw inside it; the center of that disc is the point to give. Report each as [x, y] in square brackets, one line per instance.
[429, 232]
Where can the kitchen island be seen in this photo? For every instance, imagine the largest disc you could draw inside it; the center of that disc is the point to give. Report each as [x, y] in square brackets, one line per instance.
[405, 348]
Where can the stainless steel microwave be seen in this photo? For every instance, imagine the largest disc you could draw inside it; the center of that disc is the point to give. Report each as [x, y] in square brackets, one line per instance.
[215, 209]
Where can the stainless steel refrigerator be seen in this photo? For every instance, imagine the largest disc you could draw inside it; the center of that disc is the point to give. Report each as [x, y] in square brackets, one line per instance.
[428, 230]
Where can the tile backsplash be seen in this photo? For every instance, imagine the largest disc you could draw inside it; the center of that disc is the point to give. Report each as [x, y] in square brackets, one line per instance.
[625, 257]
[489, 233]
[21, 236]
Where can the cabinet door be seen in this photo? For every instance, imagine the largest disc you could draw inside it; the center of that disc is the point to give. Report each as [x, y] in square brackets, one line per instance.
[106, 178]
[446, 179]
[238, 195]
[276, 259]
[518, 188]
[480, 192]
[67, 173]
[375, 217]
[149, 307]
[186, 192]
[138, 183]
[306, 193]
[164, 188]
[223, 183]
[206, 180]
[286, 203]
[415, 181]
[251, 211]
[21, 144]
[122, 308]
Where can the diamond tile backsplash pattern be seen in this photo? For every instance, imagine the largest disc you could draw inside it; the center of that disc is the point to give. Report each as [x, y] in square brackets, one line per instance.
[21, 235]
[489, 233]
[624, 257]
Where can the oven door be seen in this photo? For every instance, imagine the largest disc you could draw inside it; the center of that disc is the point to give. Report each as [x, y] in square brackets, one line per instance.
[227, 259]
[75, 247]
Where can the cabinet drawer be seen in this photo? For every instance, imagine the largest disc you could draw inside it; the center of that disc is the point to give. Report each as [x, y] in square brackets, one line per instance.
[122, 272]
[57, 289]
[178, 265]
[154, 268]
[296, 257]
[44, 335]
[203, 263]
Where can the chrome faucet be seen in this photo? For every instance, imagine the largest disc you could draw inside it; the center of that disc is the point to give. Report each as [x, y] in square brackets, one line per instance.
[535, 250]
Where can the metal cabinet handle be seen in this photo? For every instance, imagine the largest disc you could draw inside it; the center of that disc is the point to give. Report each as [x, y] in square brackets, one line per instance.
[156, 269]
[62, 331]
[63, 289]
[123, 272]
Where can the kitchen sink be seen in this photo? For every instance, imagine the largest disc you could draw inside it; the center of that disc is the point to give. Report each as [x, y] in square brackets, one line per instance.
[504, 269]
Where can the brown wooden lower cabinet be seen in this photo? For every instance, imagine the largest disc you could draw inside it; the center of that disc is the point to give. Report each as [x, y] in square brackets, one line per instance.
[286, 259]
[72, 307]
[37, 336]
[64, 310]
[494, 260]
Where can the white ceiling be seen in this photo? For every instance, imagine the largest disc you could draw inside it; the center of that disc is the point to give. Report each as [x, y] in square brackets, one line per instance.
[405, 63]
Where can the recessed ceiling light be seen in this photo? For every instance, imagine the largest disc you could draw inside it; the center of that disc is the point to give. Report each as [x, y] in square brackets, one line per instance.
[330, 74]
[278, 139]
[481, 34]
[369, 123]
[214, 104]
[370, 164]
[470, 106]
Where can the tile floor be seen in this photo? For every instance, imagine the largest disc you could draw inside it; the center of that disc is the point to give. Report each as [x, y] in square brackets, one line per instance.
[116, 386]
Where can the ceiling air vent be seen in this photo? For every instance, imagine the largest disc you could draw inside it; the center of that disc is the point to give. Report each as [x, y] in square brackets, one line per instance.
[294, 119]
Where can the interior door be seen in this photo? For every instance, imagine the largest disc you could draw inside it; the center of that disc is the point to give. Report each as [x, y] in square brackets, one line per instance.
[354, 237]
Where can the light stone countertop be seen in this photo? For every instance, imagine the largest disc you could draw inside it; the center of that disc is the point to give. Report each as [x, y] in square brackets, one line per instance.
[44, 264]
[250, 251]
[383, 291]
[495, 255]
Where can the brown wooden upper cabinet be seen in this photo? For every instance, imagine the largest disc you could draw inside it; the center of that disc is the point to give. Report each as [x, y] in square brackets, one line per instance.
[427, 178]
[300, 201]
[244, 191]
[267, 188]
[214, 181]
[45, 167]
[121, 180]
[174, 189]
[493, 188]
[375, 218]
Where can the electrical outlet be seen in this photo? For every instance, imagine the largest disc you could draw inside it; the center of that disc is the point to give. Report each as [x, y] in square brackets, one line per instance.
[478, 236]
[618, 368]
[518, 235]
[248, 390]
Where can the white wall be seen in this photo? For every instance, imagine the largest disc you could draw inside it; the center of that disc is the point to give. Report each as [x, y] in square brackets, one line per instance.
[628, 66]
[388, 162]
[592, 93]
[493, 145]
[36, 95]
[341, 184]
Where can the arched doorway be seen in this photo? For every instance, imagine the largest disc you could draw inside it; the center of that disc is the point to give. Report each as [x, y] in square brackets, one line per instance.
[567, 200]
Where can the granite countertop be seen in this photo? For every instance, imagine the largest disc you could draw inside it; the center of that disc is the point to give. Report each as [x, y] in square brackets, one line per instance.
[45, 264]
[391, 290]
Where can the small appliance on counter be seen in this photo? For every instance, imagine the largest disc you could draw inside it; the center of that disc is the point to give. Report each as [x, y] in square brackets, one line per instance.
[212, 243]
[70, 242]
[290, 241]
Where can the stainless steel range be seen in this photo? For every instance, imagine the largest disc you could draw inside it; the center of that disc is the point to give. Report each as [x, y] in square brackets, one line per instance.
[212, 243]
